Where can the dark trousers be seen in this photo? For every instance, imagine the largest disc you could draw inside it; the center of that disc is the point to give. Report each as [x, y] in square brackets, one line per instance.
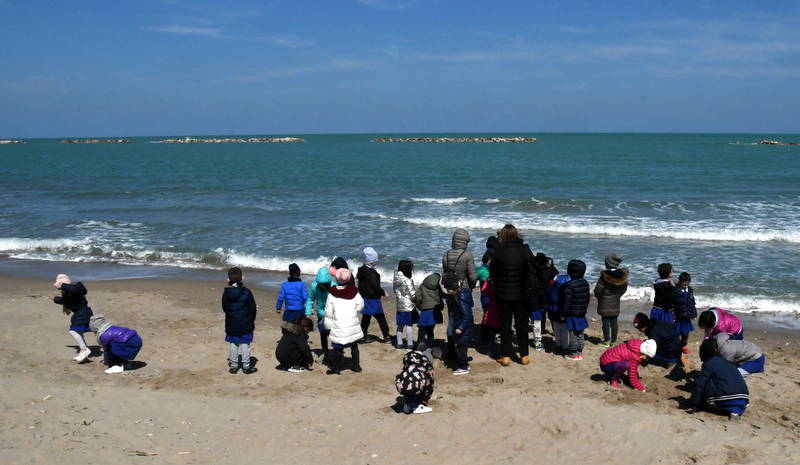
[426, 334]
[365, 319]
[610, 328]
[684, 340]
[338, 356]
[461, 351]
[508, 310]
[323, 340]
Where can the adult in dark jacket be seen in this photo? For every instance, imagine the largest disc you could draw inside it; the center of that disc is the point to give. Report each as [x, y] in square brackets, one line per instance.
[239, 306]
[509, 270]
[293, 352]
[573, 301]
[369, 286]
[613, 283]
[719, 384]
[460, 262]
[667, 341]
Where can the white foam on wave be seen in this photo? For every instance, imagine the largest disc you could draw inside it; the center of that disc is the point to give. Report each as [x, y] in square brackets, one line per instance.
[440, 201]
[18, 244]
[736, 302]
[614, 226]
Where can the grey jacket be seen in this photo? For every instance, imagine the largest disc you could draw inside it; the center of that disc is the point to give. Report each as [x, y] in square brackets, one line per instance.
[608, 290]
[737, 352]
[464, 267]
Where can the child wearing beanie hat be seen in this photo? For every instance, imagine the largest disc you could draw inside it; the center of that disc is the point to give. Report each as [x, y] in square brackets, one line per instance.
[626, 357]
[369, 286]
[73, 302]
[294, 294]
[608, 290]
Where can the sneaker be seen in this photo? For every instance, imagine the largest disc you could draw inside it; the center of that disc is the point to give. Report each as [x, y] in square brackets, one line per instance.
[233, 370]
[357, 368]
[296, 369]
[82, 355]
[422, 409]
[606, 344]
[406, 409]
[333, 371]
[366, 340]
[504, 361]
[115, 369]
[614, 384]
[409, 347]
[386, 340]
[575, 357]
[538, 346]
[456, 372]
[685, 350]
[251, 370]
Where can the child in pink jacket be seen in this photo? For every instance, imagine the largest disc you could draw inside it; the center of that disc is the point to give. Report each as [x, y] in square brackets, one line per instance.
[627, 357]
[716, 320]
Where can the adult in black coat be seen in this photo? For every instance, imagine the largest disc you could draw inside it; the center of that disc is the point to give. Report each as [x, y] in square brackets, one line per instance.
[293, 351]
[508, 270]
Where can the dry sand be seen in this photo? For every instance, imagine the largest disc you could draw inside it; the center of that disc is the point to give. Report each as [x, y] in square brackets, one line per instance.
[184, 406]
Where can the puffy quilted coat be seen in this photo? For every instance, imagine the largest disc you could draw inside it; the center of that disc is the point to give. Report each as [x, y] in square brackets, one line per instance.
[405, 292]
[629, 352]
[416, 377]
[609, 289]
[460, 260]
[573, 296]
[341, 314]
[509, 269]
[240, 310]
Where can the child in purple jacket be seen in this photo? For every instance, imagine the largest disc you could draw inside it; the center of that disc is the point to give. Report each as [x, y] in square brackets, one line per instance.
[120, 344]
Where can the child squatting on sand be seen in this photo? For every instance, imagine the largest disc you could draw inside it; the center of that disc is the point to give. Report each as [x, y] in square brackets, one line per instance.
[415, 381]
[720, 385]
[73, 302]
[626, 357]
[120, 344]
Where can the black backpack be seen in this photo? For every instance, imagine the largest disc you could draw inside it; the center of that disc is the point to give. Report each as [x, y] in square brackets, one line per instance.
[449, 277]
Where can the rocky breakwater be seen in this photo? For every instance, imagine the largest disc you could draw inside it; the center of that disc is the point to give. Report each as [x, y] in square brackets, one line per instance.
[775, 142]
[456, 139]
[95, 141]
[231, 140]
[11, 141]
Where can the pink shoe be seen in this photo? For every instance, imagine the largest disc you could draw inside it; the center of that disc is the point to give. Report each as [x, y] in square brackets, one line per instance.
[614, 384]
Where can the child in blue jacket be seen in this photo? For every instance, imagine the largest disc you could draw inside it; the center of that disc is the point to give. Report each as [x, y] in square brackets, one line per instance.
[461, 327]
[294, 293]
[120, 344]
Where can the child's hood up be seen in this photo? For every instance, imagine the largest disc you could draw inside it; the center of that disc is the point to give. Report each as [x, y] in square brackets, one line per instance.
[576, 269]
[431, 281]
[323, 276]
[460, 239]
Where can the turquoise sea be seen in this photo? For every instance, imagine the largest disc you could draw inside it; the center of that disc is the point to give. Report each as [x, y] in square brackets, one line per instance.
[728, 214]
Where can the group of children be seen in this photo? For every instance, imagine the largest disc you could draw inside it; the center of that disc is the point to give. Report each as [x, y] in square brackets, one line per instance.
[344, 311]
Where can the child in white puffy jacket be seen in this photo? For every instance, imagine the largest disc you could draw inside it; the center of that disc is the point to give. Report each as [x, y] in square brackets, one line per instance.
[342, 319]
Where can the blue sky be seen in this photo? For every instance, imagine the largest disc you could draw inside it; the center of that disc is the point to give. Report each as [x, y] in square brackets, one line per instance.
[124, 68]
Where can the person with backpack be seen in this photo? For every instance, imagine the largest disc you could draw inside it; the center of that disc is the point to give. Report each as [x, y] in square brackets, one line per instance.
[458, 264]
[509, 269]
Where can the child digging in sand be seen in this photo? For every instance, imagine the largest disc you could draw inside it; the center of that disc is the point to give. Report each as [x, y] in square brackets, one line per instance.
[239, 306]
[719, 385]
[293, 352]
[120, 344]
[415, 381]
[716, 320]
[626, 357]
[73, 302]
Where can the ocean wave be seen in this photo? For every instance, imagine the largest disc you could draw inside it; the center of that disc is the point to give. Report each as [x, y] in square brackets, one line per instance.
[613, 226]
[439, 201]
[736, 302]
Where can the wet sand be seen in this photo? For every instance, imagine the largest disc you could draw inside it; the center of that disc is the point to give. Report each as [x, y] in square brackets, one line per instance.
[182, 404]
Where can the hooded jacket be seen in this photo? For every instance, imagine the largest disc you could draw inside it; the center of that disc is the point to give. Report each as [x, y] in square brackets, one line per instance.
[405, 291]
[663, 294]
[369, 283]
[416, 378]
[509, 269]
[428, 294]
[460, 260]
[74, 298]
[294, 293]
[609, 289]
[113, 334]
[718, 380]
[573, 296]
[239, 306]
[737, 352]
[683, 306]
[724, 323]
[668, 343]
[293, 347]
[629, 352]
[341, 314]
[316, 295]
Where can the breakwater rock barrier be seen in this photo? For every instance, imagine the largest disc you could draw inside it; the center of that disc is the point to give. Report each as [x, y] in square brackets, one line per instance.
[95, 141]
[775, 142]
[11, 141]
[456, 139]
[231, 140]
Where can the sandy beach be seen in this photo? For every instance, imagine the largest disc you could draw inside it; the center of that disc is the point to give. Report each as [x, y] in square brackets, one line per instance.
[182, 406]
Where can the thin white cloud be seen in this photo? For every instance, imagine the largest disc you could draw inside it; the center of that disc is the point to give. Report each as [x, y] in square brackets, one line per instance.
[290, 41]
[188, 30]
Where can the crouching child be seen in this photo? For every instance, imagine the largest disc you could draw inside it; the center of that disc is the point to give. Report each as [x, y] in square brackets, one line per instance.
[719, 385]
[415, 381]
[120, 344]
[626, 357]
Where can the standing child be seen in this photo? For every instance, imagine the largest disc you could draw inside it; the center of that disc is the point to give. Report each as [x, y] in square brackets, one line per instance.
[573, 300]
[120, 344]
[543, 272]
[317, 297]
[293, 353]
[73, 301]
[415, 381]
[719, 384]
[482, 272]
[405, 291]
[294, 293]
[684, 309]
[491, 319]
[560, 333]
[369, 286]
[716, 320]
[341, 319]
[460, 325]
[428, 298]
[626, 357]
[611, 286]
[662, 302]
[239, 306]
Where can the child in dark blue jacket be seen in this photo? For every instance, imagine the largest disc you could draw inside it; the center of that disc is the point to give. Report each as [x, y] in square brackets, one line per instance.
[719, 385]
[662, 301]
[684, 309]
[462, 322]
[239, 306]
[573, 300]
[294, 293]
[73, 302]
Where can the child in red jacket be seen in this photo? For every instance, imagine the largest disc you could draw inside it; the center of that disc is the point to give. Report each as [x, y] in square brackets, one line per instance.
[627, 357]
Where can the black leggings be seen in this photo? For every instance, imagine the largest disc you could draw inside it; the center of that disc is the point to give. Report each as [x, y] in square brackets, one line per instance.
[365, 319]
[426, 334]
[508, 310]
[338, 356]
[323, 340]
[610, 328]
[684, 340]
